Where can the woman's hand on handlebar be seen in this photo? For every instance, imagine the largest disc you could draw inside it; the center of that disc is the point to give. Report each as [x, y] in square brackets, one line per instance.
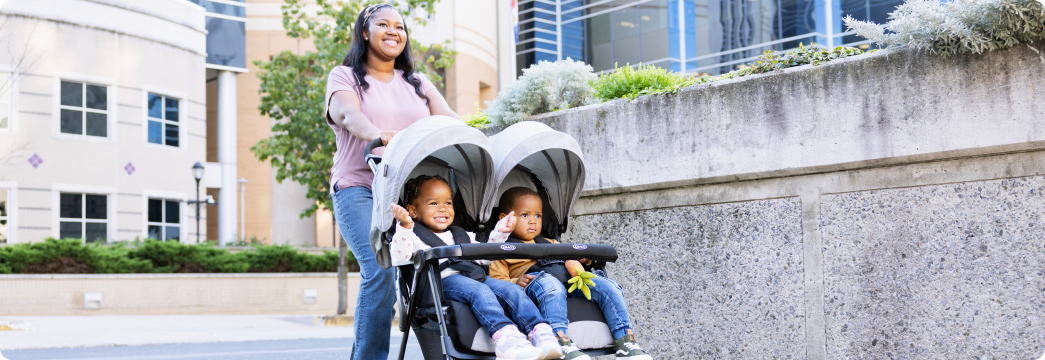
[386, 136]
[402, 216]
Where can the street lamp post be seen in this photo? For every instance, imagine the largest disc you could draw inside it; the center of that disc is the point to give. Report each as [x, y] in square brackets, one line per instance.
[197, 172]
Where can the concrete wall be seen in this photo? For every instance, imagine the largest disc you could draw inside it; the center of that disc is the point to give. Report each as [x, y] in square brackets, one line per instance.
[883, 206]
[169, 294]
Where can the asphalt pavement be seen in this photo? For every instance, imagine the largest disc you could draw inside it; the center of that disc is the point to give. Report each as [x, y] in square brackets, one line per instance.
[150, 337]
[312, 349]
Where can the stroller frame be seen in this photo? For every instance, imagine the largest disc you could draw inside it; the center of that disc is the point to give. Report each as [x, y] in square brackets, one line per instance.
[416, 309]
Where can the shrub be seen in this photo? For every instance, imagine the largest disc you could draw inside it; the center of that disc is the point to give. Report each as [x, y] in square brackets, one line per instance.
[543, 87]
[479, 119]
[153, 256]
[69, 256]
[175, 257]
[628, 82]
[959, 26]
[770, 61]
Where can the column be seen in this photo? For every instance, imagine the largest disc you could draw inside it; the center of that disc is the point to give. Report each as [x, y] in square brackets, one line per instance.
[227, 157]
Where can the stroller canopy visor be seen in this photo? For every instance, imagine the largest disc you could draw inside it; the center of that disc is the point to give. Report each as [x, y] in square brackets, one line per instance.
[435, 145]
[552, 156]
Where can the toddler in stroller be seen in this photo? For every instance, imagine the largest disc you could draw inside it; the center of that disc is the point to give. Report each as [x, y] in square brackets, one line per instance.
[425, 223]
[543, 280]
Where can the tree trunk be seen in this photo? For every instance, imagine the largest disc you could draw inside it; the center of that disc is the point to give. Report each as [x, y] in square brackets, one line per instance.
[342, 273]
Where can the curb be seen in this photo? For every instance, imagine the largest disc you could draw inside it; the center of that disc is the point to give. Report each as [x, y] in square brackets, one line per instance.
[335, 320]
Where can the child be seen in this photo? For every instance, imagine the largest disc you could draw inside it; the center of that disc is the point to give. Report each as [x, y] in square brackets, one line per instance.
[543, 279]
[430, 203]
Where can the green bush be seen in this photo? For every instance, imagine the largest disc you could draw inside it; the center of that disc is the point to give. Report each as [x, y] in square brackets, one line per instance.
[479, 119]
[628, 82]
[958, 26]
[770, 61]
[152, 256]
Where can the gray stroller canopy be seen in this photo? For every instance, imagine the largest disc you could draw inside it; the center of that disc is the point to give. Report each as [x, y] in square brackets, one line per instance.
[552, 156]
[435, 145]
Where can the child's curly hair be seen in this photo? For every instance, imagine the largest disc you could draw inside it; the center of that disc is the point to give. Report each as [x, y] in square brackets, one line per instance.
[507, 201]
[414, 185]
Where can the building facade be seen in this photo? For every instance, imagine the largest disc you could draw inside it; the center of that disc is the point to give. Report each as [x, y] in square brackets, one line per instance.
[689, 36]
[101, 119]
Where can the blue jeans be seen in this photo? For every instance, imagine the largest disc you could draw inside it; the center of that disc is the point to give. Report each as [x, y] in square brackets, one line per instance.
[374, 313]
[550, 295]
[489, 299]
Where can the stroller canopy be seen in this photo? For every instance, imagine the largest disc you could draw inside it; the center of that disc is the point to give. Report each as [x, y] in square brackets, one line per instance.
[530, 147]
[435, 145]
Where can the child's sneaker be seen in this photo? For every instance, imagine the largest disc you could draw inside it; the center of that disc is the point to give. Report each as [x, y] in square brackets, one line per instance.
[627, 348]
[542, 338]
[570, 351]
[510, 344]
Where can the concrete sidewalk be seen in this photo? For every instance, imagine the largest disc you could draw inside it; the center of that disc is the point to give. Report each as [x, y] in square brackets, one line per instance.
[45, 332]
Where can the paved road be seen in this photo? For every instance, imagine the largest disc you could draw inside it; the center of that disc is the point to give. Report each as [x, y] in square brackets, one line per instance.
[312, 349]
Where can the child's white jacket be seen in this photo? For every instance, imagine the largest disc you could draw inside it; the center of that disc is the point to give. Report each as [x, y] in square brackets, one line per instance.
[405, 243]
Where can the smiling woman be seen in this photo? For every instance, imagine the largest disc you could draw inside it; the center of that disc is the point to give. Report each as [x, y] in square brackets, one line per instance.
[373, 95]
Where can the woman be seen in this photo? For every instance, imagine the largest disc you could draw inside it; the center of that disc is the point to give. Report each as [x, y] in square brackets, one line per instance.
[374, 94]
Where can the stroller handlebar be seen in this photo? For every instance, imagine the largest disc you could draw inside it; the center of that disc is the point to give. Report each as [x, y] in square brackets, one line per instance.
[372, 160]
[503, 251]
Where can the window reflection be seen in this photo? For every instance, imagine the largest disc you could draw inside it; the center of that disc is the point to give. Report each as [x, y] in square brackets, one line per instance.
[720, 35]
[226, 42]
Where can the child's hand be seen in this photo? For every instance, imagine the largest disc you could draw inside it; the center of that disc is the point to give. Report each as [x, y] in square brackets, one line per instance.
[524, 280]
[402, 216]
[507, 224]
[574, 267]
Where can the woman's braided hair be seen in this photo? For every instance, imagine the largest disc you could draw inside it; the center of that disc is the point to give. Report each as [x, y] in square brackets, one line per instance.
[414, 185]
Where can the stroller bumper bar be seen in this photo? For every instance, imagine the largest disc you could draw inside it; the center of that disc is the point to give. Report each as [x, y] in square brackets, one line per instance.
[503, 251]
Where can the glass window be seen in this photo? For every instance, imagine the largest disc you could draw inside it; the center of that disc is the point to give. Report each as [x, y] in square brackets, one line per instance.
[653, 22]
[83, 216]
[163, 120]
[226, 42]
[84, 109]
[624, 27]
[4, 230]
[164, 219]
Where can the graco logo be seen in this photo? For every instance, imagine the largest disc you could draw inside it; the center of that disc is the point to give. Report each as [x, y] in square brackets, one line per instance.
[507, 247]
[580, 247]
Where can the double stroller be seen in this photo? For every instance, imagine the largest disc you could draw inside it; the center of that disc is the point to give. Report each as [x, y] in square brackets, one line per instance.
[479, 169]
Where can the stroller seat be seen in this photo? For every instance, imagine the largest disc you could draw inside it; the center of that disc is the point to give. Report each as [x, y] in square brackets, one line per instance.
[588, 328]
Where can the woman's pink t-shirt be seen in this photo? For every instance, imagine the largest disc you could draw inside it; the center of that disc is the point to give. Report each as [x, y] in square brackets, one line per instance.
[390, 107]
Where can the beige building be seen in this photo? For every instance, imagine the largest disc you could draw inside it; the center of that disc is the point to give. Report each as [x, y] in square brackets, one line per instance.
[102, 115]
[158, 85]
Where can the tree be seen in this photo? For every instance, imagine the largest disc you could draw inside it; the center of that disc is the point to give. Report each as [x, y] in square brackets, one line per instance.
[19, 55]
[293, 87]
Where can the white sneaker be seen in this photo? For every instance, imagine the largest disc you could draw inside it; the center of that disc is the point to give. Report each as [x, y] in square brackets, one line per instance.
[542, 338]
[512, 345]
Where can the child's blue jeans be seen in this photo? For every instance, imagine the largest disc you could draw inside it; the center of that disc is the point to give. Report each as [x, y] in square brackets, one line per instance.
[490, 299]
[550, 295]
